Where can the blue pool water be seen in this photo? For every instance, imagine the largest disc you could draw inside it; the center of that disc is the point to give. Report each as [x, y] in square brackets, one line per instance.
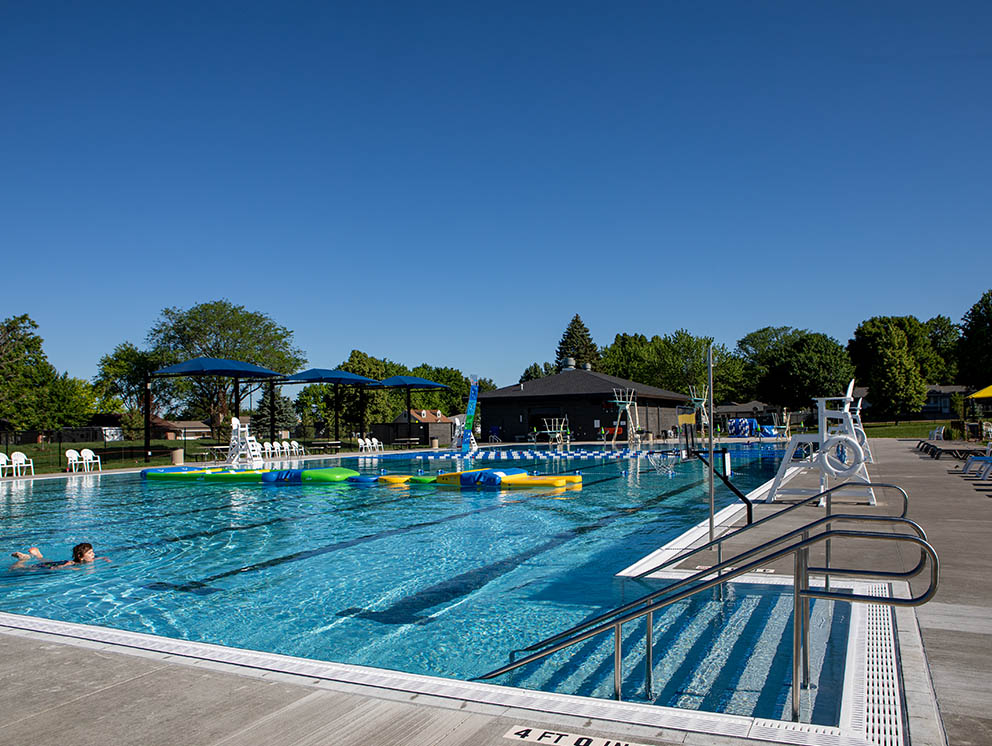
[414, 578]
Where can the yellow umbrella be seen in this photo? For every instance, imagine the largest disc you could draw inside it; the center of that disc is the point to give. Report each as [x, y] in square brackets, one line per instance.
[985, 393]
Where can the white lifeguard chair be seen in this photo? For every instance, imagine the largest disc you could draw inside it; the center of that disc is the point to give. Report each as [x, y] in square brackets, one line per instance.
[244, 451]
[698, 399]
[559, 437]
[838, 449]
[625, 401]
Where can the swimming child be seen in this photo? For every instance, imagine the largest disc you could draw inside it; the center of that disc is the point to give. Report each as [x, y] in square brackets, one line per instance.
[82, 554]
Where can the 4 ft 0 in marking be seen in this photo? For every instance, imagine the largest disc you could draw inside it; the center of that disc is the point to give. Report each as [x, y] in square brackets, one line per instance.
[557, 738]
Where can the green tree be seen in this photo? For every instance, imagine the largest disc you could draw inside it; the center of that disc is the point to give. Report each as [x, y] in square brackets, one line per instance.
[120, 380]
[285, 415]
[812, 365]
[25, 374]
[576, 342]
[758, 351]
[975, 348]
[896, 387]
[70, 402]
[872, 336]
[627, 357]
[220, 329]
[944, 337]
[379, 406]
[535, 371]
[678, 361]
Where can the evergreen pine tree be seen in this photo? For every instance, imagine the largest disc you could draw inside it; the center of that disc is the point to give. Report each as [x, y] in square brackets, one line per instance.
[286, 418]
[576, 342]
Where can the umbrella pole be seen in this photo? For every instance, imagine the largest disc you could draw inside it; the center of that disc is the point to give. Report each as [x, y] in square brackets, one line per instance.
[409, 417]
[337, 417]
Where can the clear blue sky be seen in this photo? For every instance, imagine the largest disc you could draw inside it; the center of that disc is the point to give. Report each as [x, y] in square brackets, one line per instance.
[451, 182]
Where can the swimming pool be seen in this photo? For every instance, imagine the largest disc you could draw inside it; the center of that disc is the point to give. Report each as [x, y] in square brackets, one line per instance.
[417, 579]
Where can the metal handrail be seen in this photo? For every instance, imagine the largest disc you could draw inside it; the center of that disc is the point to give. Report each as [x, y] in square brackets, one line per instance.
[801, 594]
[727, 564]
[718, 542]
[733, 534]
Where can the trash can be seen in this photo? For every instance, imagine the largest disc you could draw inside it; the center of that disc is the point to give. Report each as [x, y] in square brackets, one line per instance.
[177, 457]
[434, 443]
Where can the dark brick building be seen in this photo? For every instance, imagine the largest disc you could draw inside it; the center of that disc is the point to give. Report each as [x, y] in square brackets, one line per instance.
[584, 396]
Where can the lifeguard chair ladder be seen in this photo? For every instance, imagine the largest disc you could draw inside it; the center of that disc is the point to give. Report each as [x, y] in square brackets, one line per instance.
[833, 426]
[625, 401]
[558, 434]
[244, 451]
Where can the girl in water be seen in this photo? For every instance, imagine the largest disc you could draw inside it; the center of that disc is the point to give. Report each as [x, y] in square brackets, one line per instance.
[82, 554]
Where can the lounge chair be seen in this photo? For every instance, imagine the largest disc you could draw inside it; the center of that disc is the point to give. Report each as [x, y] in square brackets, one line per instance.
[90, 459]
[21, 463]
[978, 460]
[72, 460]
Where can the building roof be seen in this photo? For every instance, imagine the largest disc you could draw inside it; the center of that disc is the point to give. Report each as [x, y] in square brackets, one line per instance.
[579, 382]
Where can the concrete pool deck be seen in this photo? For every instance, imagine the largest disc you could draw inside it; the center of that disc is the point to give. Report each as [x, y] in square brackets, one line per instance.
[64, 689]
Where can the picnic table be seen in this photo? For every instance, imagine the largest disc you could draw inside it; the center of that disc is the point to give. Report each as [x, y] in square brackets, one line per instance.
[408, 442]
[326, 445]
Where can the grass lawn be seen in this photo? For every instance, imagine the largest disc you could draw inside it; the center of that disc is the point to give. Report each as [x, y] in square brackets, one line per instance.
[904, 429]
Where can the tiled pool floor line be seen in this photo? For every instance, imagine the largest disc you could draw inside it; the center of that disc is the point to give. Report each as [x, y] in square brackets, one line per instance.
[79, 684]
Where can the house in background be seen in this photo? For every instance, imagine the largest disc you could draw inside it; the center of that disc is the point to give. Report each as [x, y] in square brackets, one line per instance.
[584, 396]
[937, 407]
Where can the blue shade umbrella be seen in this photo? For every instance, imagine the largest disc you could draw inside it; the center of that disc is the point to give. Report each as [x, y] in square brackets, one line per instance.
[338, 378]
[208, 366]
[213, 366]
[409, 383]
[322, 375]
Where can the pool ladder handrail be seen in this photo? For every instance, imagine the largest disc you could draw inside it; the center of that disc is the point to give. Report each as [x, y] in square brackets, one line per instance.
[718, 542]
[725, 572]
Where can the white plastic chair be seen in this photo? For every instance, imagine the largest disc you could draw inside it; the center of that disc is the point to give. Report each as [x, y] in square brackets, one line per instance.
[364, 446]
[20, 463]
[376, 445]
[287, 449]
[277, 449]
[298, 450]
[5, 464]
[267, 449]
[89, 459]
[72, 461]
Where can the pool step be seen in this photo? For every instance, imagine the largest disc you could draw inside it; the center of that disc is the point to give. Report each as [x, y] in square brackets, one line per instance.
[732, 655]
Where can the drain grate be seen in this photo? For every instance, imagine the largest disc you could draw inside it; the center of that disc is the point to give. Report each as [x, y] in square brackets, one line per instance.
[882, 703]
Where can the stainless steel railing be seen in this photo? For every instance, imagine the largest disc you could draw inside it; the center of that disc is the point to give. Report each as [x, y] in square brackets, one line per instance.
[725, 572]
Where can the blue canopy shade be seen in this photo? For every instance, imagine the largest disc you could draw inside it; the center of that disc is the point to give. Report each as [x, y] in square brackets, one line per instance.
[410, 382]
[212, 366]
[322, 375]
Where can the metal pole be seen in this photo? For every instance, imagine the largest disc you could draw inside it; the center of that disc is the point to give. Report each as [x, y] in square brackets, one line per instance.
[237, 397]
[337, 416]
[148, 419]
[272, 410]
[649, 655]
[617, 662]
[409, 417]
[797, 614]
[709, 431]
